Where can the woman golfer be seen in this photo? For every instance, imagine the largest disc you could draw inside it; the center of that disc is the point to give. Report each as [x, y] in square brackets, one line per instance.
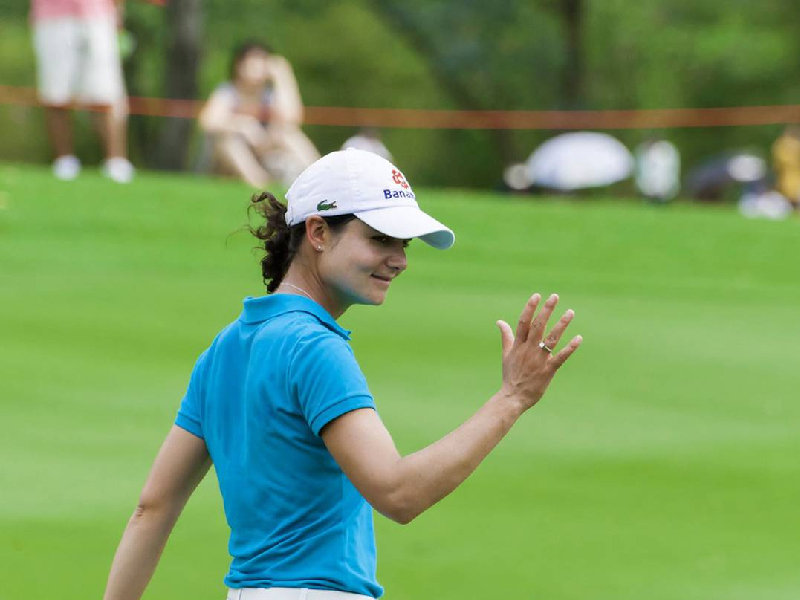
[279, 405]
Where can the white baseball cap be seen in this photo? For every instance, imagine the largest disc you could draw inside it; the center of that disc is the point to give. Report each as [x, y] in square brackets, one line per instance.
[371, 188]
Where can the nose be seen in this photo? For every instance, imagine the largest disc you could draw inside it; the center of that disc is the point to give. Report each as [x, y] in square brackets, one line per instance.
[397, 261]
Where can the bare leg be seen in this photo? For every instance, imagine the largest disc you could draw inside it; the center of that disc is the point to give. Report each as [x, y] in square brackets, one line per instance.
[236, 156]
[294, 151]
[59, 129]
[112, 124]
[301, 147]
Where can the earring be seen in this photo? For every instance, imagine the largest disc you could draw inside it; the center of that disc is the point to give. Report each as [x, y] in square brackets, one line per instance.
[319, 248]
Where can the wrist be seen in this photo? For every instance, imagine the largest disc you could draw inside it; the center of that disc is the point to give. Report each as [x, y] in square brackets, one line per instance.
[510, 404]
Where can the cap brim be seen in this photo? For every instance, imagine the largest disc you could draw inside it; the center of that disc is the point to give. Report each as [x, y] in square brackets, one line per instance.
[406, 222]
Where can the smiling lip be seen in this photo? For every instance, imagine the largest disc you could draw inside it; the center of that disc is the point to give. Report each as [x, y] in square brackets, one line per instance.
[384, 280]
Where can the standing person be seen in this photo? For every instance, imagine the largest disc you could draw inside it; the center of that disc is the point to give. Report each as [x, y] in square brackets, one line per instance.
[786, 162]
[78, 62]
[280, 406]
[253, 120]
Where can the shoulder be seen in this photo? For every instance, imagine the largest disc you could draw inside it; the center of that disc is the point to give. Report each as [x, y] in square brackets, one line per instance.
[305, 332]
[224, 91]
[308, 346]
[207, 356]
[293, 333]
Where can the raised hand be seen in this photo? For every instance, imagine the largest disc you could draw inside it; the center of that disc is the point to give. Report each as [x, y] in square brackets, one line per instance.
[528, 360]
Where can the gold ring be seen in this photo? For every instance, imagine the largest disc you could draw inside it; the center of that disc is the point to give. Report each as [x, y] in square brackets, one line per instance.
[544, 346]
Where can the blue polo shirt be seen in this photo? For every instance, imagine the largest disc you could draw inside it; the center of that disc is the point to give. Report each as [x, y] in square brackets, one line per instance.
[259, 396]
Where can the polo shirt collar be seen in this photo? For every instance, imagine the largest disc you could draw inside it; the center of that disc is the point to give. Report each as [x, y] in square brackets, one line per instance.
[265, 307]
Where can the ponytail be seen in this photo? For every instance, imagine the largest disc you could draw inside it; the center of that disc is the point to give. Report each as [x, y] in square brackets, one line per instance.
[280, 242]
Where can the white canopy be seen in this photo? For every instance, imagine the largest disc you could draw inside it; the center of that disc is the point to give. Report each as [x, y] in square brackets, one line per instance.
[582, 159]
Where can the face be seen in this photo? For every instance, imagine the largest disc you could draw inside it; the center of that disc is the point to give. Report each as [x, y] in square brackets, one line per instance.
[253, 69]
[360, 263]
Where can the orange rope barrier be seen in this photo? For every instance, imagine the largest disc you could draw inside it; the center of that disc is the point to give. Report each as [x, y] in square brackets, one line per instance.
[477, 119]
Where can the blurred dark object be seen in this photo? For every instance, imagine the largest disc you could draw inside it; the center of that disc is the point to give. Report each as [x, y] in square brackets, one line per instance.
[727, 175]
[786, 163]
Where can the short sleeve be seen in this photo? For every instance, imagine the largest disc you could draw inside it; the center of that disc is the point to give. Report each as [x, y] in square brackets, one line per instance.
[224, 91]
[189, 413]
[325, 378]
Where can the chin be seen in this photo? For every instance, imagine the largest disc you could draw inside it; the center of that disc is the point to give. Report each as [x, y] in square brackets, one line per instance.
[375, 299]
[368, 298]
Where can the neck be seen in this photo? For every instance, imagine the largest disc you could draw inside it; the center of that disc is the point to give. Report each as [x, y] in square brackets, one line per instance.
[296, 282]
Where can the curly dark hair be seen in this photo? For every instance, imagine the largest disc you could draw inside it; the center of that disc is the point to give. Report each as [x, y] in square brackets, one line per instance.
[280, 241]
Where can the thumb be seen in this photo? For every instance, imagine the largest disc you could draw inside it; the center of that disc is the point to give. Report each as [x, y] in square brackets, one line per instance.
[506, 336]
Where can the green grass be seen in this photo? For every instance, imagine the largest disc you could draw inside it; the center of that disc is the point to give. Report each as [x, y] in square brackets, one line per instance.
[662, 464]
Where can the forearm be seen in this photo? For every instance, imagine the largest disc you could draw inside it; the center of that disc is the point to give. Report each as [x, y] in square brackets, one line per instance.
[138, 554]
[288, 110]
[220, 116]
[430, 474]
[403, 487]
[288, 105]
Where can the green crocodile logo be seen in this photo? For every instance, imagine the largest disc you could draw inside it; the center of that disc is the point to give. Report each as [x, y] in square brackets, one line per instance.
[326, 205]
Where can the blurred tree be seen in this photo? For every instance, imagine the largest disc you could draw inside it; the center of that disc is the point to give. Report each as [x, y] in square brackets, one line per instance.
[446, 56]
[572, 15]
[146, 24]
[184, 23]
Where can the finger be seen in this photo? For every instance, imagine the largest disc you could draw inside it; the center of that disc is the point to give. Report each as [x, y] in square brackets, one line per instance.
[560, 358]
[506, 336]
[524, 324]
[555, 335]
[540, 322]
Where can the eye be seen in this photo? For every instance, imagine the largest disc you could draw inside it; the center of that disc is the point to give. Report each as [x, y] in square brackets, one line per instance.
[386, 240]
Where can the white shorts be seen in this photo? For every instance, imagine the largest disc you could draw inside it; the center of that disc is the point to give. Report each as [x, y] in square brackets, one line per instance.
[291, 594]
[78, 61]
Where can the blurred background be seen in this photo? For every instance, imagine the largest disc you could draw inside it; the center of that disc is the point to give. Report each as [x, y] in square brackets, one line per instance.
[663, 462]
[508, 55]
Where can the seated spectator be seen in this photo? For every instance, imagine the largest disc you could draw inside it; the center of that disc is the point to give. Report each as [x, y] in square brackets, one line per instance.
[78, 62]
[253, 120]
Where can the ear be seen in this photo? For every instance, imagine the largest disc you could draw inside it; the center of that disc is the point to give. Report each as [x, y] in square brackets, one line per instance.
[317, 232]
